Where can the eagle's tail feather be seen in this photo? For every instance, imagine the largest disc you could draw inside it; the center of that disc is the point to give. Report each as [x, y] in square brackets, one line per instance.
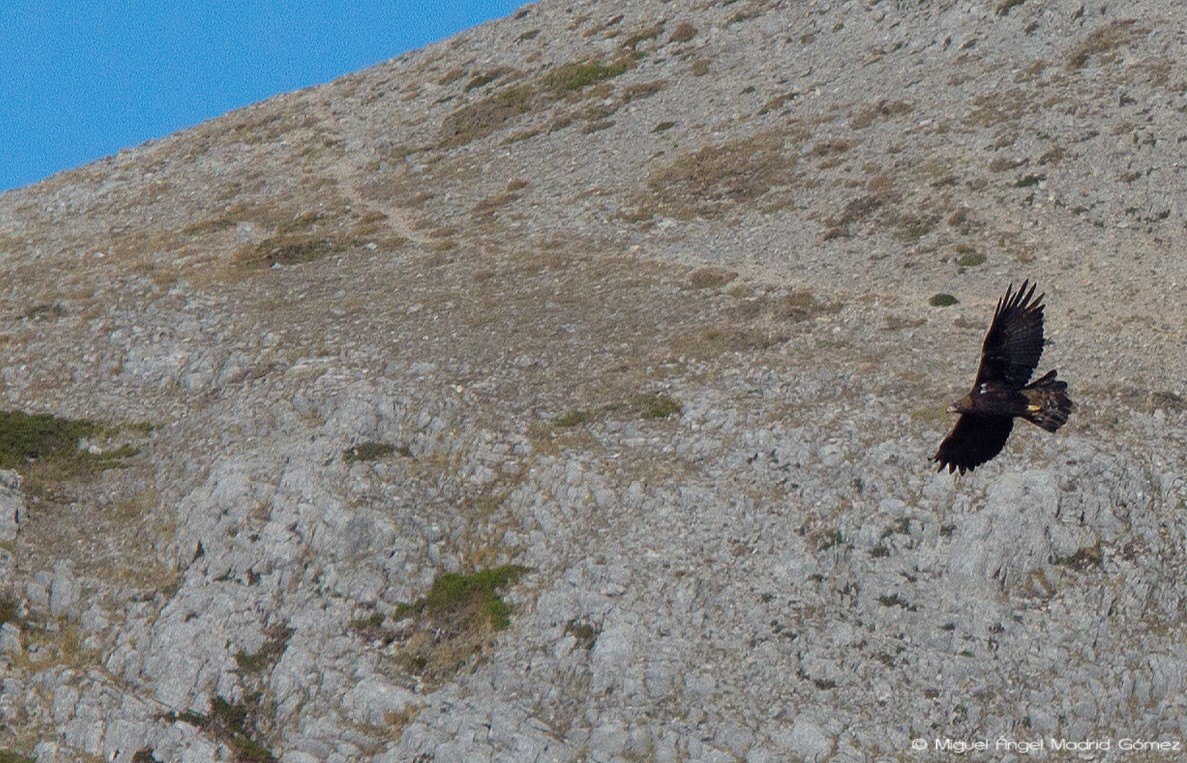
[1047, 403]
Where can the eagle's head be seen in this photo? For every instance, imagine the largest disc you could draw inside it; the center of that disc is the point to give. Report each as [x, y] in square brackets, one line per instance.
[963, 405]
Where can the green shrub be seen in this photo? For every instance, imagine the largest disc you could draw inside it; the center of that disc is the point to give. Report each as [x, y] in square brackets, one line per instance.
[30, 437]
[452, 593]
[577, 75]
[572, 418]
[657, 406]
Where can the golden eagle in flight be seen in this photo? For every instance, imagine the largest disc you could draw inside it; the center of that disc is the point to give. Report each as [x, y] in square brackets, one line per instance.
[1001, 393]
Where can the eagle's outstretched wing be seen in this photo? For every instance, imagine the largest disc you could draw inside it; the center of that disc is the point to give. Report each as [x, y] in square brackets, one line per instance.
[973, 441]
[1015, 340]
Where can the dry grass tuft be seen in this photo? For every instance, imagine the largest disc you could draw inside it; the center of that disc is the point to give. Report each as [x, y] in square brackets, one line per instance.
[711, 181]
[884, 109]
[1102, 42]
[501, 108]
[477, 120]
[683, 32]
[711, 277]
[291, 250]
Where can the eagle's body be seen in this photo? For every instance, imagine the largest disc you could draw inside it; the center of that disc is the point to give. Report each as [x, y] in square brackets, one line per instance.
[1001, 393]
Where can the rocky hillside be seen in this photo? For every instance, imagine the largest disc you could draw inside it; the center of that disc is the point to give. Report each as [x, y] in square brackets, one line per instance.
[566, 392]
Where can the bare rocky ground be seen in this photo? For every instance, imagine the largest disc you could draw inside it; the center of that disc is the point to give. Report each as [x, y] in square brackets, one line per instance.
[636, 298]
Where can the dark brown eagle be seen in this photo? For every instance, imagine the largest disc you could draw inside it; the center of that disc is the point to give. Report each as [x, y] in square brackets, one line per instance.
[1001, 393]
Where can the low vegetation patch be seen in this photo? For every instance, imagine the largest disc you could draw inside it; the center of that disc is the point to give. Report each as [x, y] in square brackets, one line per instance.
[47, 448]
[803, 305]
[573, 418]
[710, 277]
[683, 32]
[656, 406]
[470, 595]
[909, 228]
[368, 451]
[1147, 400]
[8, 756]
[578, 75]
[942, 300]
[646, 406]
[498, 109]
[28, 437]
[643, 35]
[233, 724]
[884, 109]
[1102, 42]
[370, 628]
[584, 632]
[894, 600]
[455, 622]
[268, 654]
[1084, 559]
[709, 181]
[481, 118]
[294, 235]
[293, 250]
[870, 205]
[485, 78]
[44, 312]
[10, 610]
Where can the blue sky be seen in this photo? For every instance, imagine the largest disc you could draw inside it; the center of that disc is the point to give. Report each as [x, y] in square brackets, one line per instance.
[81, 80]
